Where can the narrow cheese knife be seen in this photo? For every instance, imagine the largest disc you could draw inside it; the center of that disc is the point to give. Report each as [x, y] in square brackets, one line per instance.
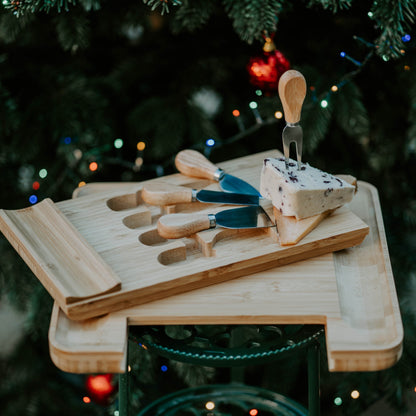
[183, 225]
[160, 193]
[195, 164]
[292, 92]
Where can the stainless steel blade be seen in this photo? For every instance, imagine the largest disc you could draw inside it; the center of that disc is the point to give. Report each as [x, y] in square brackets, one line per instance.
[246, 217]
[292, 133]
[230, 183]
[216, 197]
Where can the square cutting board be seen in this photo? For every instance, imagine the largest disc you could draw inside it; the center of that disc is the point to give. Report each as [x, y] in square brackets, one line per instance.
[100, 252]
[351, 292]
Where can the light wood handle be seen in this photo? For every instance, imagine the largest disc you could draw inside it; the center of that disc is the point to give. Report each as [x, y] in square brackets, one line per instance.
[292, 92]
[166, 194]
[182, 225]
[195, 164]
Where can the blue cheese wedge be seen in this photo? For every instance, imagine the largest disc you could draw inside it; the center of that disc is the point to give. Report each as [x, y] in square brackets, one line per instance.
[302, 193]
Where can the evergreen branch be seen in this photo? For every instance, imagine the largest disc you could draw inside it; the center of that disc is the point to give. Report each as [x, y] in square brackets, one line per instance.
[72, 31]
[192, 15]
[154, 4]
[333, 5]
[20, 7]
[252, 18]
[393, 17]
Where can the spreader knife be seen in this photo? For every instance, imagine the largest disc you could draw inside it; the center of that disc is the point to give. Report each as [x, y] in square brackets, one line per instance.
[195, 164]
[292, 92]
[182, 225]
[163, 193]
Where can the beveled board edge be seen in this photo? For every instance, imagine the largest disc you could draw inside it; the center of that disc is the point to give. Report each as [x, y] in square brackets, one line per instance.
[388, 353]
[85, 356]
[45, 256]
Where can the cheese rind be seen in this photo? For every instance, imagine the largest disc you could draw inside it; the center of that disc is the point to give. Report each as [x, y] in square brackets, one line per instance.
[302, 193]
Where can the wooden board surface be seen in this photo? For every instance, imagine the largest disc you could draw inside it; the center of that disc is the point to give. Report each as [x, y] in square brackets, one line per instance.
[68, 267]
[121, 228]
[350, 292]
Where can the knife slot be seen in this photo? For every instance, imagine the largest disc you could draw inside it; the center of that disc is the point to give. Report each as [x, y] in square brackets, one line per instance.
[142, 218]
[190, 251]
[152, 238]
[233, 238]
[190, 207]
[200, 184]
[125, 202]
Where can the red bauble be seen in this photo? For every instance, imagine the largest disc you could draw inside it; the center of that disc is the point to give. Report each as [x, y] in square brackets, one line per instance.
[100, 387]
[265, 71]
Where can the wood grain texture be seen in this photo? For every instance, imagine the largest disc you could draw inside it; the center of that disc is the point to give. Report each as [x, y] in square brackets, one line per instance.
[195, 164]
[182, 225]
[58, 255]
[164, 193]
[122, 230]
[350, 292]
[292, 92]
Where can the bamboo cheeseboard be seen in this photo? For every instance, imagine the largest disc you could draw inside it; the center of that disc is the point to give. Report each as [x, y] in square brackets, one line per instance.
[351, 292]
[101, 252]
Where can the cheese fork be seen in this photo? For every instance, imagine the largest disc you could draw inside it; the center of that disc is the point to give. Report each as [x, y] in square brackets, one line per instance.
[292, 92]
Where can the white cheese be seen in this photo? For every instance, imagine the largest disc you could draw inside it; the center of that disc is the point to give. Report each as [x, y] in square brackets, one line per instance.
[302, 193]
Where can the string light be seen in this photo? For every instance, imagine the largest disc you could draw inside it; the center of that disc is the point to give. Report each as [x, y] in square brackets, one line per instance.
[334, 88]
[36, 185]
[253, 106]
[67, 140]
[406, 38]
[86, 399]
[346, 56]
[164, 368]
[141, 146]
[237, 118]
[210, 142]
[278, 115]
[324, 103]
[253, 412]
[33, 199]
[338, 401]
[209, 405]
[82, 183]
[93, 166]
[355, 394]
[259, 93]
[118, 143]
[43, 173]
[77, 154]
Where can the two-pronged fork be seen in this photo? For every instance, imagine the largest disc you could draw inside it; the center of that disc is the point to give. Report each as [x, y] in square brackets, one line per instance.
[292, 92]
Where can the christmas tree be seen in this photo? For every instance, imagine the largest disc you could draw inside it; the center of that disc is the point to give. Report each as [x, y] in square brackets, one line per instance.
[95, 91]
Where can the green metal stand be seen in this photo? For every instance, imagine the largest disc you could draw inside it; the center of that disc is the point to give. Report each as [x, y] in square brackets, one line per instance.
[155, 339]
[124, 389]
[313, 380]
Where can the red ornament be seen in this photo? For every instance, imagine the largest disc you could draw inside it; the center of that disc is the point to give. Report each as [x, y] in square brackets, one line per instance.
[100, 388]
[265, 71]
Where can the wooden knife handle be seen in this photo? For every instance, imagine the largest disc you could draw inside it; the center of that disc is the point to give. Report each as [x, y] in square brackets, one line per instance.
[159, 193]
[292, 92]
[195, 164]
[182, 225]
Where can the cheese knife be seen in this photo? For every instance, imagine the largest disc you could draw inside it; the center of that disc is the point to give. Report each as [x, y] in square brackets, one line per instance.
[195, 164]
[182, 225]
[292, 92]
[163, 193]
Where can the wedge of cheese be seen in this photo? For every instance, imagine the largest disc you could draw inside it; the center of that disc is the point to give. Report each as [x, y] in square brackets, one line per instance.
[292, 230]
[302, 193]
